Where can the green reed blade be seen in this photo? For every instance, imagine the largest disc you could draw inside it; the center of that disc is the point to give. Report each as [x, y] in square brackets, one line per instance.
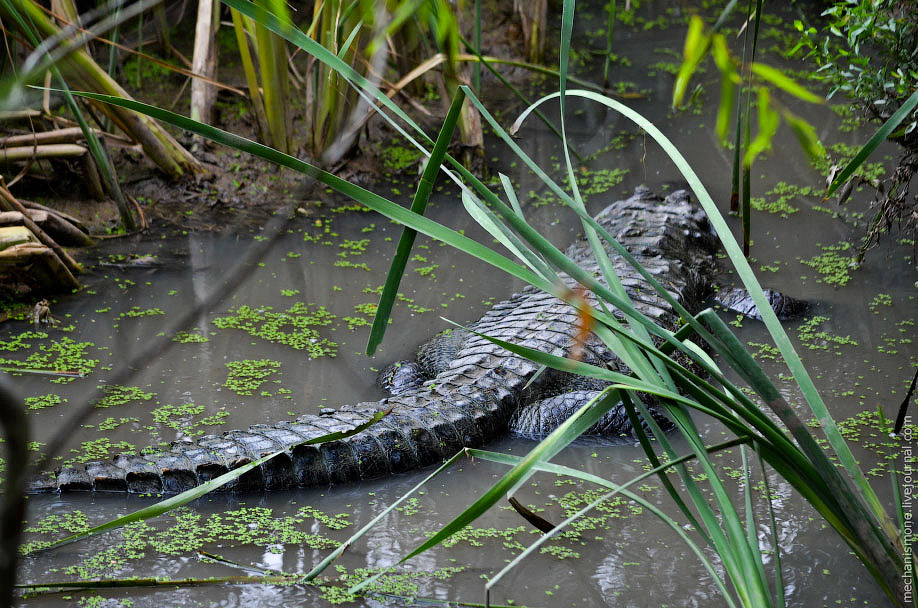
[610, 27]
[780, 600]
[406, 241]
[374, 201]
[325, 563]
[616, 488]
[569, 430]
[879, 137]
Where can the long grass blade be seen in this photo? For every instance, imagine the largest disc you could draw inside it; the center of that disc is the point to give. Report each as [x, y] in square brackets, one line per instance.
[882, 133]
[248, 68]
[562, 436]
[489, 221]
[406, 241]
[325, 563]
[780, 600]
[752, 533]
[562, 470]
[374, 201]
[610, 28]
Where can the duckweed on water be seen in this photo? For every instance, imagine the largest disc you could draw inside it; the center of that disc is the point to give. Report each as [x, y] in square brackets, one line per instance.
[777, 200]
[843, 153]
[246, 376]
[881, 299]
[352, 247]
[766, 351]
[19, 342]
[187, 533]
[869, 431]
[40, 402]
[178, 417]
[599, 181]
[184, 337]
[294, 327]
[136, 312]
[116, 394]
[402, 584]
[476, 537]
[616, 507]
[412, 306]
[410, 506]
[110, 423]
[63, 354]
[398, 158]
[832, 265]
[350, 264]
[100, 449]
[809, 335]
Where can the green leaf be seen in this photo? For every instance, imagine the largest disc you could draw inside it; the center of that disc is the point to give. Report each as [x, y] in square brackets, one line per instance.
[882, 133]
[777, 78]
[696, 45]
[806, 135]
[768, 126]
[406, 241]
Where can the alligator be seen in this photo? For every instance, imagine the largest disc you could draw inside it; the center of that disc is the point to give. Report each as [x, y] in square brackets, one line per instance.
[462, 391]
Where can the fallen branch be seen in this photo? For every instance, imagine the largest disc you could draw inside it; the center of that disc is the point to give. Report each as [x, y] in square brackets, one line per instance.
[76, 222]
[10, 203]
[56, 136]
[61, 230]
[30, 152]
[42, 264]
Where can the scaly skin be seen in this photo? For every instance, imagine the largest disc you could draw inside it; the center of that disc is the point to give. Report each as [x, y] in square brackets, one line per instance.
[471, 397]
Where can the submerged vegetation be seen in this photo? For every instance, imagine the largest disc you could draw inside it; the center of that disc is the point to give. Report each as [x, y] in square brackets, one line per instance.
[723, 495]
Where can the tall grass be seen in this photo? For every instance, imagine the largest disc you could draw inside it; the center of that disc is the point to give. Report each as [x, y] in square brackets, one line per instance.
[829, 479]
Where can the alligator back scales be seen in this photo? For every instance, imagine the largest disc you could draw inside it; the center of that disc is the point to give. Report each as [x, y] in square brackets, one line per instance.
[470, 401]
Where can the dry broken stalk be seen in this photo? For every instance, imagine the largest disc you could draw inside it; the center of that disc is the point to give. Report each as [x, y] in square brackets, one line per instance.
[10, 203]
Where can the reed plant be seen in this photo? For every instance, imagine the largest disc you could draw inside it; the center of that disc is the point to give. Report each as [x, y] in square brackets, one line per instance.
[769, 430]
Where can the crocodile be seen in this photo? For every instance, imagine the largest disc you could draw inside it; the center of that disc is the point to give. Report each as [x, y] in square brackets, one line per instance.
[473, 394]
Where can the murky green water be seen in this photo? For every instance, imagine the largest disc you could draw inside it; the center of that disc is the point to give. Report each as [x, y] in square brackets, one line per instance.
[626, 558]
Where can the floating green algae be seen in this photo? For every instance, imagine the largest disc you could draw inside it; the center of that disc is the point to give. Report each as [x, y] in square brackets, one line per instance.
[184, 337]
[100, 449]
[778, 199]
[188, 532]
[136, 312]
[819, 339]
[40, 402]
[834, 267]
[881, 299]
[246, 376]
[115, 394]
[63, 354]
[597, 181]
[398, 158]
[294, 327]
